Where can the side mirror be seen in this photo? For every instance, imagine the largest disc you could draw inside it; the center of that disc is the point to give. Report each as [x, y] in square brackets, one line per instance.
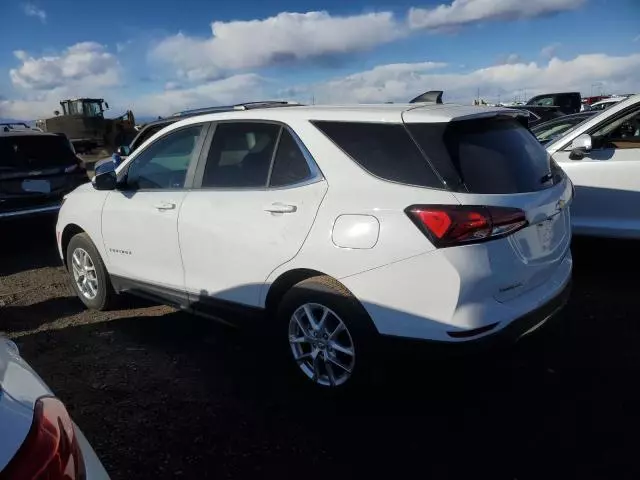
[105, 178]
[106, 104]
[580, 146]
[123, 150]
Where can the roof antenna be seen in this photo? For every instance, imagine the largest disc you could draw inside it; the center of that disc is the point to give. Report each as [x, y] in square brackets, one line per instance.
[432, 96]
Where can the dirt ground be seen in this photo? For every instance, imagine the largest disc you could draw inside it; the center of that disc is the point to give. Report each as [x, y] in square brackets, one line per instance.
[161, 394]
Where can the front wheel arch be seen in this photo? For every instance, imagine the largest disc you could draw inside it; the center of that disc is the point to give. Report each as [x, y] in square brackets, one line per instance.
[68, 233]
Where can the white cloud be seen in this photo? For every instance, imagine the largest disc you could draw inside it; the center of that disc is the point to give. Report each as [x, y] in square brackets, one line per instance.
[82, 63]
[550, 50]
[238, 45]
[404, 81]
[464, 12]
[231, 90]
[84, 69]
[31, 10]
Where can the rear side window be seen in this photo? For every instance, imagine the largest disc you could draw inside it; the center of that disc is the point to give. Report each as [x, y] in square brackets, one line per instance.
[31, 152]
[489, 156]
[384, 150]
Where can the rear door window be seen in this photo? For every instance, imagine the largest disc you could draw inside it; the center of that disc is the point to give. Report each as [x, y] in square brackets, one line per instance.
[289, 165]
[240, 155]
[384, 150]
[487, 156]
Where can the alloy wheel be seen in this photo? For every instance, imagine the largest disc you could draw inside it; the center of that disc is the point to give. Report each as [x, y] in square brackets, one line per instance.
[84, 273]
[321, 345]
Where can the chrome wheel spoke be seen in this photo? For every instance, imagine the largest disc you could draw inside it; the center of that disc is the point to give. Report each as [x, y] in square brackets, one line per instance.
[304, 357]
[316, 366]
[337, 331]
[329, 369]
[338, 364]
[339, 348]
[312, 321]
[293, 339]
[302, 328]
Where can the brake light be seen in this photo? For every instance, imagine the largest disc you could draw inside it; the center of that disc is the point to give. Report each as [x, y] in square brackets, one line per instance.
[449, 225]
[51, 450]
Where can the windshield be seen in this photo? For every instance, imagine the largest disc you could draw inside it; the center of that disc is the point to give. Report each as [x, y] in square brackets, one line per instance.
[30, 152]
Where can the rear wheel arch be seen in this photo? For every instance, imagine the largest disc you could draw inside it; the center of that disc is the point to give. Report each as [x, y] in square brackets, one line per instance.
[283, 284]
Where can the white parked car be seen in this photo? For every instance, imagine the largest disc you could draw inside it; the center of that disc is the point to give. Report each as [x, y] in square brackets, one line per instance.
[38, 439]
[602, 158]
[335, 225]
[604, 104]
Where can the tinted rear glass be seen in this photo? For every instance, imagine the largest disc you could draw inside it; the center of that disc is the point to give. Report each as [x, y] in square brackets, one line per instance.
[384, 150]
[29, 152]
[492, 156]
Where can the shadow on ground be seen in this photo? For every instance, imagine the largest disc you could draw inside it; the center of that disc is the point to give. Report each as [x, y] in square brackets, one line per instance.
[28, 244]
[176, 395]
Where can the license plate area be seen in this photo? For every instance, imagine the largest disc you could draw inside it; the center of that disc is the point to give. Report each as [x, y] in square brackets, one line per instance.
[36, 186]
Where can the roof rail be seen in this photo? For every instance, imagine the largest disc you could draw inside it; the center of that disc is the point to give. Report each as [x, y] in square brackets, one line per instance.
[201, 111]
[265, 104]
[432, 96]
[239, 106]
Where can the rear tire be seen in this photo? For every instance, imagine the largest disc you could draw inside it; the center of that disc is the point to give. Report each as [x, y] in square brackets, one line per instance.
[89, 277]
[328, 335]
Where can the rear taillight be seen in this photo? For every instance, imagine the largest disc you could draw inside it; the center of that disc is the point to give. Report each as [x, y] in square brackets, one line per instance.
[51, 450]
[449, 225]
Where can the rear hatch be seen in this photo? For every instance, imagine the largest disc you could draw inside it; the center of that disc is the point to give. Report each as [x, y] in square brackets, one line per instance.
[491, 161]
[36, 170]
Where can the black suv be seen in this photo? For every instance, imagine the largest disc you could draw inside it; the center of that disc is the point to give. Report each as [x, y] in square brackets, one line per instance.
[567, 102]
[36, 170]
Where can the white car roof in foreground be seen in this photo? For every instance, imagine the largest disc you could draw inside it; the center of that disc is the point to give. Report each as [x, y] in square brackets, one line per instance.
[391, 113]
[593, 121]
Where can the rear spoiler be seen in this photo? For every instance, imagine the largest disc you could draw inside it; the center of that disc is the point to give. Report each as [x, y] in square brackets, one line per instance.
[432, 96]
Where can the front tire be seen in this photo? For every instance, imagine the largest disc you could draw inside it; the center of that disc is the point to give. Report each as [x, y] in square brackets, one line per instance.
[89, 277]
[330, 335]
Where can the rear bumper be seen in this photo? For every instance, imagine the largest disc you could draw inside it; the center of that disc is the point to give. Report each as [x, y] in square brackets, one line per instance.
[525, 324]
[30, 212]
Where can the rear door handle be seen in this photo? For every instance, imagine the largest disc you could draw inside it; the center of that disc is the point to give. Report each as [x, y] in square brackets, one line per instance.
[280, 208]
[165, 206]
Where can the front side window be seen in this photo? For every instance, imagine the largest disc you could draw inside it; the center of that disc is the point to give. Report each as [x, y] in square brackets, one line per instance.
[623, 132]
[145, 135]
[240, 155]
[164, 163]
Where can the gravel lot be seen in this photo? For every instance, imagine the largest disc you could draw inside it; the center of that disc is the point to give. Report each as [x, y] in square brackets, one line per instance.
[161, 394]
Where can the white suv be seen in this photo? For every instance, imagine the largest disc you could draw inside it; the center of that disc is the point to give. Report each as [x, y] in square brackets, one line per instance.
[333, 225]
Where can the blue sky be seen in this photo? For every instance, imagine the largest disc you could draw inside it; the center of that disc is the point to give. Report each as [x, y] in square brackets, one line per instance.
[157, 57]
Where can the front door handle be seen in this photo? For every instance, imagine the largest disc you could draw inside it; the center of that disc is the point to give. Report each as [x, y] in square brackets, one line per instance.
[165, 206]
[280, 208]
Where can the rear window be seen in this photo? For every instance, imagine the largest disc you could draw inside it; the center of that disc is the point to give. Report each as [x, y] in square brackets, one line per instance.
[28, 152]
[384, 150]
[489, 156]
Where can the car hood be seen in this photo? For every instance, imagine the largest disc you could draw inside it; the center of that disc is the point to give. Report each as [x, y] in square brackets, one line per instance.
[20, 387]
